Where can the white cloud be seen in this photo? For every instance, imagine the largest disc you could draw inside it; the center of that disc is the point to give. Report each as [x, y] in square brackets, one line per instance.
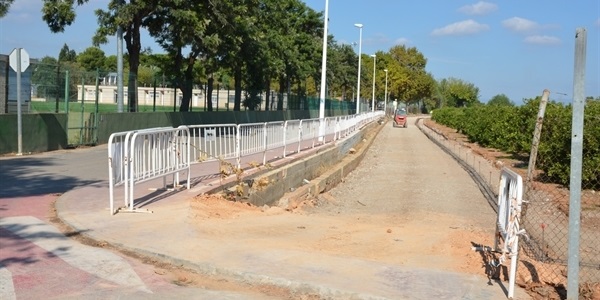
[479, 8]
[520, 25]
[542, 40]
[402, 41]
[466, 27]
[24, 11]
[376, 39]
[31, 5]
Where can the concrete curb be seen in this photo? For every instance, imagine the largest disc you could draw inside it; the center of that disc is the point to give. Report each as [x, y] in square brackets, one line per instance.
[295, 288]
[322, 183]
[333, 177]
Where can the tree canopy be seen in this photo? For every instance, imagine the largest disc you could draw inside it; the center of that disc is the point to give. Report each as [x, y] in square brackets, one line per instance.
[254, 46]
[458, 93]
[500, 100]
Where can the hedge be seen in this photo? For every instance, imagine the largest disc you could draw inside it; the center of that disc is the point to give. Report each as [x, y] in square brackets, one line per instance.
[510, 129]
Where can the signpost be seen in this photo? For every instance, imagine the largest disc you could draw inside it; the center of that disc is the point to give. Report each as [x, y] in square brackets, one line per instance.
[19, 62]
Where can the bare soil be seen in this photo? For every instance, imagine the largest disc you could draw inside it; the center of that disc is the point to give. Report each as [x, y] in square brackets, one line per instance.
[538, 278]
[407, 203]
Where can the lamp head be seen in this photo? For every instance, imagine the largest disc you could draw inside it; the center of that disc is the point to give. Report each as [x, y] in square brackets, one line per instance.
[358, 25]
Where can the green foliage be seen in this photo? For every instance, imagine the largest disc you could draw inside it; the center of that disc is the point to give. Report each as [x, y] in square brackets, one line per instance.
[46, 79]
[59, 14]
[341, 71]
[510, 129]
[259, 44]
[92, 59]
[458, 93]
[500, 100]
[67, 54]
[407, 79]
[4, 6]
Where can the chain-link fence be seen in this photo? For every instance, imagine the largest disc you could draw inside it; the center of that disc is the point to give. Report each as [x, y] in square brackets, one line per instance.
[60, 88]
[545, 215]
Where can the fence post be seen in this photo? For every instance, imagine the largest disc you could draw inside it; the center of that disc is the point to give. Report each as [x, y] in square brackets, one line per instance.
[536, 135]
[576, 164]
[67, 103]
[57, 84]
[154, 95]
[238, 147]
[95, 129]
[285, 123]
[174, 97]
[81, 124]
[67, 92]
[265, 143]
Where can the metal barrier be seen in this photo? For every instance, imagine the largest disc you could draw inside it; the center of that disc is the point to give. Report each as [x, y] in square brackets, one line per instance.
[510, 196]
[116, 163]
[138, 156]
[142, 155]
[293, 136]
[212, 142]
[310, 131]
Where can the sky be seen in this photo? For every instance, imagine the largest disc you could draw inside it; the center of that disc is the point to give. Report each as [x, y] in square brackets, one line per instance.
[510, 47]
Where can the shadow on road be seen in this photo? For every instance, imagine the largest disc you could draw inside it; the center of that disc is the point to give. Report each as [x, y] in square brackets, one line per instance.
[31, 176]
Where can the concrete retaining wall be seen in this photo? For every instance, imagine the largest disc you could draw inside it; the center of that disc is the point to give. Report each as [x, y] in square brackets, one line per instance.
[323, 170]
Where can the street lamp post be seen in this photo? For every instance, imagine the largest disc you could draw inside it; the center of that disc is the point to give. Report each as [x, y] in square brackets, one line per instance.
[373, 99]
[323, 77]
[385, 96]
[360, 26]
[324, 64]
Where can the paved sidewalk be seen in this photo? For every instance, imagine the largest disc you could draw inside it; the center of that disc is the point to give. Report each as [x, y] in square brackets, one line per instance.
[167, 233]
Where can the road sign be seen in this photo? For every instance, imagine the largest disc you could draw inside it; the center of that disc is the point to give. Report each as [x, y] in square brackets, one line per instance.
[24, 59]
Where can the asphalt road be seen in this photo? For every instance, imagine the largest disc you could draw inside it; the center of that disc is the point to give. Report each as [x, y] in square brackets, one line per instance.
[38, 261]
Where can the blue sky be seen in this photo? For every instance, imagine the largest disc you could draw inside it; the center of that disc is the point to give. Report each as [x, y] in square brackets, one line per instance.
[516, 48]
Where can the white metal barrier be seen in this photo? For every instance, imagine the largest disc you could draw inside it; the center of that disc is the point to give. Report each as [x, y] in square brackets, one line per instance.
[252, 138]
[293, 136]
[507, 230]
[275, 135]
[310, 131]
[117, 158]
[212, 142]
[138, 156]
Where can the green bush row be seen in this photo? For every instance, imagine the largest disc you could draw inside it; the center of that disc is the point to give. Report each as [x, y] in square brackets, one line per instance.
[510, 129]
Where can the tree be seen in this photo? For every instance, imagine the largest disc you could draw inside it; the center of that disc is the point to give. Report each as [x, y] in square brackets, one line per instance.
[46, 79]
[237, 36]
[67, 54]
[341, 70]
[500, 100]
[129, 16]
[92, 59]
[459, 93]
[180, 27]
[408, 81]
[5, 6]
[264, 40]
[299, 31]
[110, 63]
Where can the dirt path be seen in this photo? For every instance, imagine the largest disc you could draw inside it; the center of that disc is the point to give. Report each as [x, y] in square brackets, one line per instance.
[407, 203]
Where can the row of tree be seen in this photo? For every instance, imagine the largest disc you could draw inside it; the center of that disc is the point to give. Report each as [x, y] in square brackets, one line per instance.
[252, 45]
